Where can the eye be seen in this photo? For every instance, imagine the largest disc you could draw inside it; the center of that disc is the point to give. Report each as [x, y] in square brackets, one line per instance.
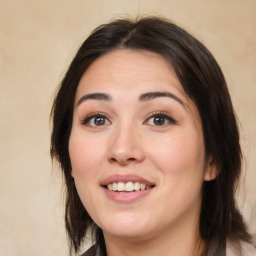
[159, 119]
[95, 120]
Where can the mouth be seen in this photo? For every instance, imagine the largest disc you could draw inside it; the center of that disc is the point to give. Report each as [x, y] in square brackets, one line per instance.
[126, 183]
[127, 186]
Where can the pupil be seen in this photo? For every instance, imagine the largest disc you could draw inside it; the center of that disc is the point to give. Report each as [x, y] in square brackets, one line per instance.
[99, 121]
[158, 120]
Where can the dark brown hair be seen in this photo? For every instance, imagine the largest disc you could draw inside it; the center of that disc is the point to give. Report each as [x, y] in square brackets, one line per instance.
[202, 80]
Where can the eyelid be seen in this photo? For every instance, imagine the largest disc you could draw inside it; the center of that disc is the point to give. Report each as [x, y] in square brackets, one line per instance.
[87, 118]
[161, 113]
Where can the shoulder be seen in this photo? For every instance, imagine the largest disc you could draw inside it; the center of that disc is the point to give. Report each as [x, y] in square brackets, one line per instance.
[241, 249]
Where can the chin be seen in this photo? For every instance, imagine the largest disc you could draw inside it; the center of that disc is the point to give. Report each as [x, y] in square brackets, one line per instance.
[129, 234]
[127, 228]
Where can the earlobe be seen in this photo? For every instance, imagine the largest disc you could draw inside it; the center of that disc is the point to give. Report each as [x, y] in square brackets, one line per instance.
[212, 171]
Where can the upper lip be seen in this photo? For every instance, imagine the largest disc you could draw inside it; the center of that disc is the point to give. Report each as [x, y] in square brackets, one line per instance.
[125, 178]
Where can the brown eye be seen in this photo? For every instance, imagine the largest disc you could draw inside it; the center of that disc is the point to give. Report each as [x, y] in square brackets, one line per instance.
[158, 120]
[96, 120]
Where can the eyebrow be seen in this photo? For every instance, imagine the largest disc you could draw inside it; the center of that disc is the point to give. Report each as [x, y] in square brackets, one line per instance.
[153, 95]
[94, 96]
[143, 97]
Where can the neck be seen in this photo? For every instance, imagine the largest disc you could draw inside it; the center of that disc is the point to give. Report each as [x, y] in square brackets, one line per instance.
[181, 240]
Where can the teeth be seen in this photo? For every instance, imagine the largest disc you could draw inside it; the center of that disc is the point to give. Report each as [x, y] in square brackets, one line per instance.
[136, 186]
[120, 186]
[128, 186]
[114, 186]
[142, 186]
[110, 186]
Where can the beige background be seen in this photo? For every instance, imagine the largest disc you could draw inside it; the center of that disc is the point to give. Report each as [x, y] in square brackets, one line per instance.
[37, 42]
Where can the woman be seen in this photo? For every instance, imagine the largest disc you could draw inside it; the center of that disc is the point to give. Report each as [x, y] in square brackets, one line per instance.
[146, 136]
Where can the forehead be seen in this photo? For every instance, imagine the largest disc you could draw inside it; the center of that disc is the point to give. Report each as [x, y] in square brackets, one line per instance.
[126, 70]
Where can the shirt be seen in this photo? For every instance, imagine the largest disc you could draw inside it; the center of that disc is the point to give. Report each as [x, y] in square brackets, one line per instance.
[214, 250]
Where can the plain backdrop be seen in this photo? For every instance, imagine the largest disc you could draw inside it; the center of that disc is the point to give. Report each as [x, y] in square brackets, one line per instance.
[37, 42]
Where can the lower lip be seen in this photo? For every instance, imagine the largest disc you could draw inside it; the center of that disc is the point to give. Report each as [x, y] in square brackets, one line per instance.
[126, 197]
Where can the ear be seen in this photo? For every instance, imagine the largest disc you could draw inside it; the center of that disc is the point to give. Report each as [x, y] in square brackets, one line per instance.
[211, 171]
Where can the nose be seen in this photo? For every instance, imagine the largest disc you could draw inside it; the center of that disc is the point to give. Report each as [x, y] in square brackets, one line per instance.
[126, 146]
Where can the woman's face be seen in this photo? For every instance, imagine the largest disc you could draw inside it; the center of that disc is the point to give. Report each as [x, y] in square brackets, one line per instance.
[136, 147]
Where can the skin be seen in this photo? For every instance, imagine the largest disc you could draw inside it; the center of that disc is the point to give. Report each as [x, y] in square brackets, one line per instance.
[128, 140]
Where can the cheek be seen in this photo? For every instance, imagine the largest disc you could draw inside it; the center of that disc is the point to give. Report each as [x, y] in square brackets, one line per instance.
[178, 154]
[180, 159]
[86, 156]
[86, 153]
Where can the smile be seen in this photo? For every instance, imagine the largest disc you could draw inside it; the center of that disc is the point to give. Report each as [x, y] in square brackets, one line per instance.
[127, 186]
[126, 189]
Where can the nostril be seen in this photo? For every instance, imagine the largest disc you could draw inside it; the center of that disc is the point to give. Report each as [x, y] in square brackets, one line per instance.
[113, 159]
[131, 159]
[122, 161]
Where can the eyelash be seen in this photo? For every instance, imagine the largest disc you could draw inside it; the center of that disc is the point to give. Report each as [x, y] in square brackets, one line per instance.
[160, 114]
[88, 118]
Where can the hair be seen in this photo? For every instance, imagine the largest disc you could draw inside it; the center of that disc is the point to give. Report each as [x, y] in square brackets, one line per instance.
[202, 80]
